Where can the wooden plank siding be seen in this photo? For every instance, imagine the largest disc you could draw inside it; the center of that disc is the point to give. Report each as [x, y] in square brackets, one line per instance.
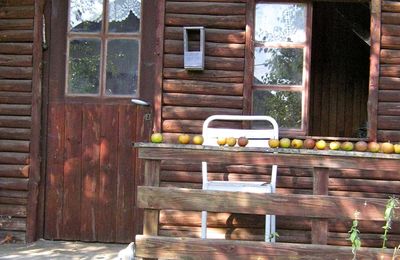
[389, 88]
[16, 92]
[339, 96]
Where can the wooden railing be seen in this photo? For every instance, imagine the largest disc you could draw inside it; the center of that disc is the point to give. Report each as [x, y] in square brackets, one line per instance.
[319, 206]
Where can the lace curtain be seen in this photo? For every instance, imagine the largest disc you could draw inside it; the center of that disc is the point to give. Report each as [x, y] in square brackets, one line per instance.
[91, 10]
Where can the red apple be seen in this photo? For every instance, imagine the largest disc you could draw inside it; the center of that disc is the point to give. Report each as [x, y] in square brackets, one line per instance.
[243, 141]
[361, 146]
[309, 144]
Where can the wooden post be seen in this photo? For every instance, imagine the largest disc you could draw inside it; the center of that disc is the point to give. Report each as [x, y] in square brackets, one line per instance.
[319, 227]
[151, 178]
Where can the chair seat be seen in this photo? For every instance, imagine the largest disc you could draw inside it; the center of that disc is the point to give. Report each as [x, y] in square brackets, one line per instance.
[244, 186]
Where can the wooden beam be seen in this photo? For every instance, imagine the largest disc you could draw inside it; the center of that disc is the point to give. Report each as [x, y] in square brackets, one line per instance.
[193, 248]
[319, 227]
[151, 178]
[314, 206]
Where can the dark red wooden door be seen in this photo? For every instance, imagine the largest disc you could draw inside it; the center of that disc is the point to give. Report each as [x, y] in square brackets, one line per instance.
[91, 167]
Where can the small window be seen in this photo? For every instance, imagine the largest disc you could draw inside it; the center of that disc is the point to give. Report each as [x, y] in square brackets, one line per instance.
[281, 52]
[103, 42]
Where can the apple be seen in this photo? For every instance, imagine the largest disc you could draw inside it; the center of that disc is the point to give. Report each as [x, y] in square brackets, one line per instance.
[284, 143]
[198, 139]
[347, 146]
[231, 141]
[387, 147]
[361, 146]
[243, 141]
[335, 145]
[184, 139]
[156, 138]
[221, 141]
[297, 144]
[309, 144]
[373, 147]
[321, 145]
[274, 143]
[396, 148]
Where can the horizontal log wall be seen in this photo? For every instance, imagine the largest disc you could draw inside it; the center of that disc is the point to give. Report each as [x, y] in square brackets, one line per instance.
[389, 82]
[16, 47]
[190, 97]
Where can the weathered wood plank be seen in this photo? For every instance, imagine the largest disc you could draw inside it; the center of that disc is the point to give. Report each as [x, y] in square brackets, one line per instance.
[15, 121]
[211, 63]
[390, 42]
[90, 166]
[219, 1]
[202, 87]
[17, 12]
[16, 36]
[72, 172]
[14, 183]
[206, 75]
[390, 56]
[126, 192]
[14, 171]
[15, 98]
[13, 158]
[16, 60]
[284, 157]
[178, 112]
[105, 210]
[151, 178]
[205, 8]
[388, 122]
[385, 135]
[15, 109]
[202, 100]
[319, 227]
[194, 248]
[212, 35]
[390, 30]
[15, 133]
[16, 2]
[390, 70]
[18, 236]
[14, 146]
[15, 85]
[15, 72]
[17, 224]
[211, 48]
[13, 210]
[390, 6]
[16, 48]
[14, 194]
[390, 18]
[13, 201]
[388, 83]
[314, 206]
[16, 24]
[389, 108]
[55, 171]
[209, 21]
[389, 96]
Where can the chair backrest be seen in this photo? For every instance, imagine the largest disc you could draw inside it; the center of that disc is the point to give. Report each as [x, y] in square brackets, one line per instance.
[257, 137]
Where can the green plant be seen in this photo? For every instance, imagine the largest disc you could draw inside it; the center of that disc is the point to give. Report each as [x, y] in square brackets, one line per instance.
[391, 205]
[273, 235]
[354, 236]
[396, 253]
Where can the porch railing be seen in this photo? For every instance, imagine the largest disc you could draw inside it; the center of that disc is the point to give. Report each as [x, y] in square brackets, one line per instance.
[318, 206]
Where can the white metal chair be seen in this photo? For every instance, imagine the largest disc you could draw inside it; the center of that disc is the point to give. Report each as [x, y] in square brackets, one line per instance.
[257, 138]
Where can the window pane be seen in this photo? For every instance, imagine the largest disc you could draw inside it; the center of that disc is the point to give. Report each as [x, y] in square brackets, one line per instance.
[280, 22]
[284, 106]
[122, 67]
[83, 66]
[85, 15]
[124, 15]
[278, 66]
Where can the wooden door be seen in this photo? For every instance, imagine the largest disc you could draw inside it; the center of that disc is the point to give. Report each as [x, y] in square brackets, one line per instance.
[91, 167]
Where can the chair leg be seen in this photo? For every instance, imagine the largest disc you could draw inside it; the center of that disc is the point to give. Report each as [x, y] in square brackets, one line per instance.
[273, 228]
[203, 224]
[267, 228]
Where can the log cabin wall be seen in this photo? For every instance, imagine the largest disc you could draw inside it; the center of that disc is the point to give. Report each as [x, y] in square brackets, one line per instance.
[389, 84]
[16, 95]
[189, 97]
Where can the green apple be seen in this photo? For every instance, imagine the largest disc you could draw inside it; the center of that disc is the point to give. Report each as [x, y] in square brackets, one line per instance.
[156, 138]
